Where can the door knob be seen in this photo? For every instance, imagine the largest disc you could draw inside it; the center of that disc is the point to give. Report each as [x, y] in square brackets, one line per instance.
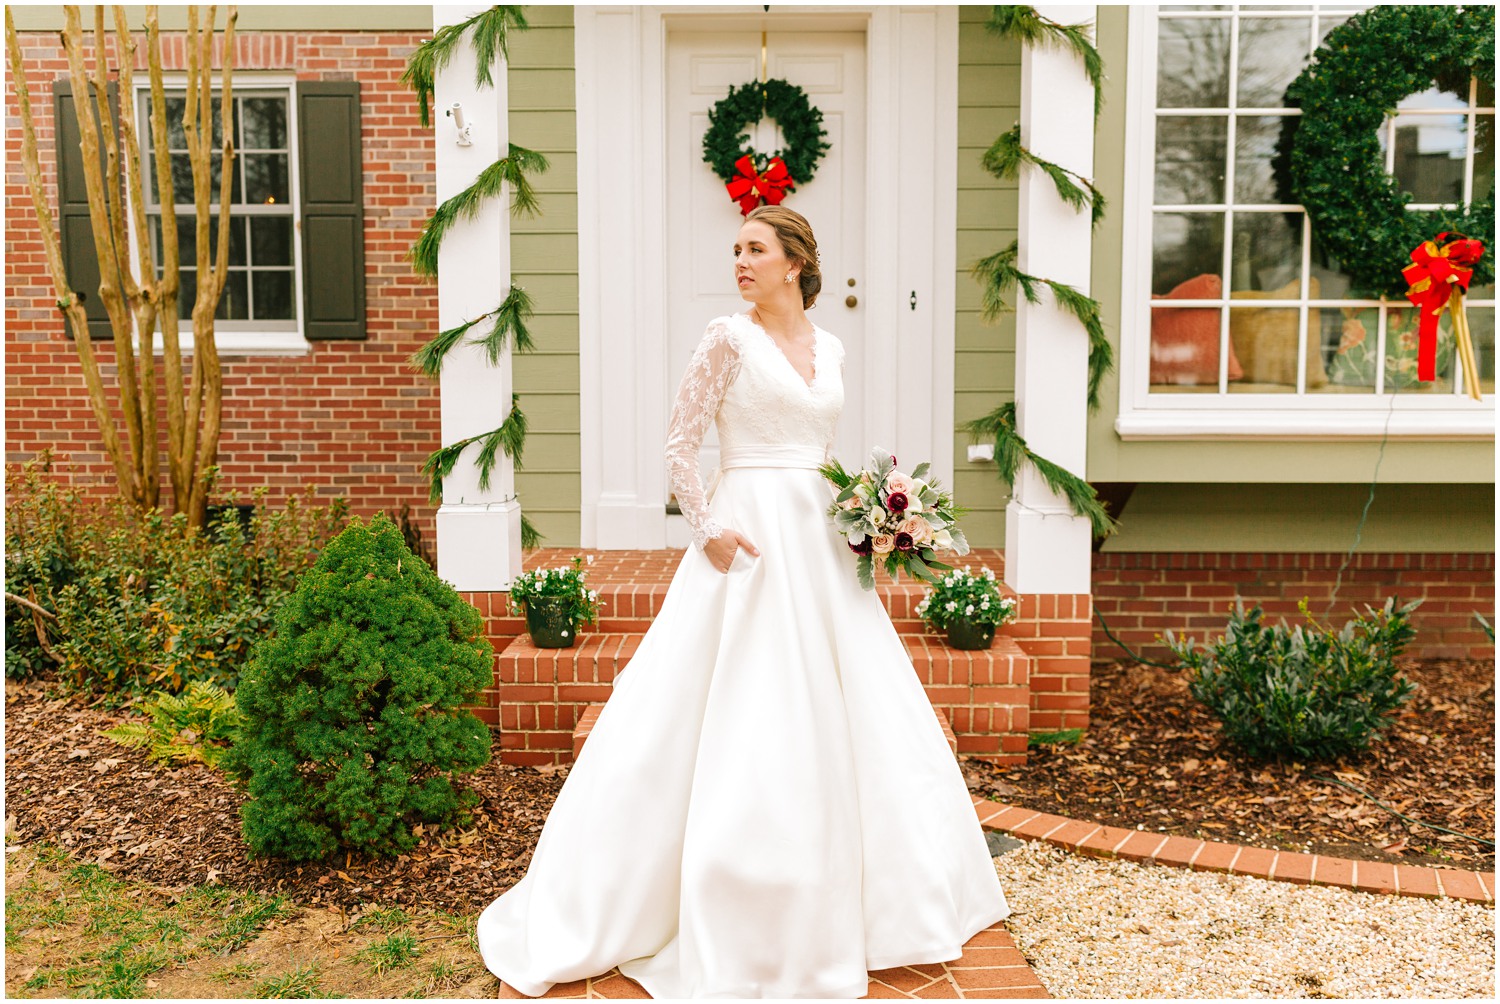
[851, 301]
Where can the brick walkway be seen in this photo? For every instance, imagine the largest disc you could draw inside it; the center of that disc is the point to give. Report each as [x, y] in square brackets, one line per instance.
[1214, 856]
[991, 966]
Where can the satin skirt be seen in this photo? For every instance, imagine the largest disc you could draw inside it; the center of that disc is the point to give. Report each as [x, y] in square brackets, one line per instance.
[767, 805]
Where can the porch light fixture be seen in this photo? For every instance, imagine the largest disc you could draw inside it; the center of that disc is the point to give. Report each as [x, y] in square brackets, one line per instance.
[457, 114]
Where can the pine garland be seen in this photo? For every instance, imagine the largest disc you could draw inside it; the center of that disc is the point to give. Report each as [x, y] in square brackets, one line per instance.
[509, 437]
[1030, 28]
[510, 322]
[1006, 155]
[1011, 450]
[998, 274]
[491, 30]
[466, 204]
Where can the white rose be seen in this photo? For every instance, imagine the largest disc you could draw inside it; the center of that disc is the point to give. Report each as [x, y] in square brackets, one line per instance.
[969, 609]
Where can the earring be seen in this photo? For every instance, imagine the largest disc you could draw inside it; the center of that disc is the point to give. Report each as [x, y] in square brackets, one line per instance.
[789, 277]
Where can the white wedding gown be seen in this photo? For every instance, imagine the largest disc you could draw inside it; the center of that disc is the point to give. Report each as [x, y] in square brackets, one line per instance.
[766, 806]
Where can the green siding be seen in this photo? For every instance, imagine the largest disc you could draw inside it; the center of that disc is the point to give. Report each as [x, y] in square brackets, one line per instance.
[1289, 517]
[1263, 496]
[544, 259]
[989, 88]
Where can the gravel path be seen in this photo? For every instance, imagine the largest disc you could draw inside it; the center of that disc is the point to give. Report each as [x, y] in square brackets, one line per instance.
[1100, 928]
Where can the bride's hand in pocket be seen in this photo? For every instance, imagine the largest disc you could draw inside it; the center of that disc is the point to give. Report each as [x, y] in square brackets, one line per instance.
[722, 549]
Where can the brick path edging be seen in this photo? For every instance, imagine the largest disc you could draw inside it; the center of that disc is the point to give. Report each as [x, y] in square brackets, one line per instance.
[1211, 855]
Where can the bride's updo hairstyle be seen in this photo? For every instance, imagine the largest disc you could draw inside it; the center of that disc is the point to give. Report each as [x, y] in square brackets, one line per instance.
[799, 244]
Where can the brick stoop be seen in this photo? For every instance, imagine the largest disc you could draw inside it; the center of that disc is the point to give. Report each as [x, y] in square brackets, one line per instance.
[591, 715]
[1212, 855]
[1034, 677]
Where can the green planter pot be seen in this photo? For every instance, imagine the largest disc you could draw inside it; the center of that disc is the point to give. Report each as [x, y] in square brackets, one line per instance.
[969, 635]
[548, 622]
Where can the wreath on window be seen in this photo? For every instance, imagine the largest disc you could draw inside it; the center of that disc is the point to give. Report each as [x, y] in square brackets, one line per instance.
[752, 178]
[1336, 167]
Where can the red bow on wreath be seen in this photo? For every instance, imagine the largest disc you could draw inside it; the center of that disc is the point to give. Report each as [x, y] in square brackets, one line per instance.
[1435, 275]
[751, 187]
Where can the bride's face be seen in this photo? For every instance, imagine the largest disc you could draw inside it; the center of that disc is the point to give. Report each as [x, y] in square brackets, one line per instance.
[760, 264]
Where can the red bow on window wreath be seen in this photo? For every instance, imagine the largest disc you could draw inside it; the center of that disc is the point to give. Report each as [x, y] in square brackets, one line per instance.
[751, 187]
[1438, 277]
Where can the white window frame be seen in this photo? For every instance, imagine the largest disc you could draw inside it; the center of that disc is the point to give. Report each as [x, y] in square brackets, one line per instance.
[1244, 416]
[246, 341]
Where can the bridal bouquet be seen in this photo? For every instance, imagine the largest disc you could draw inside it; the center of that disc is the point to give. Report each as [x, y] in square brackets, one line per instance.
[900, 519]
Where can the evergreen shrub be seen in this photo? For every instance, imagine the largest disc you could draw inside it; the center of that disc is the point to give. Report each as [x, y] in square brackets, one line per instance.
[353, 718]
[1304, 694]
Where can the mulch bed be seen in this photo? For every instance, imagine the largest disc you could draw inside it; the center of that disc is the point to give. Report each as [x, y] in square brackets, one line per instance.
[1154, 755]
[180, 827]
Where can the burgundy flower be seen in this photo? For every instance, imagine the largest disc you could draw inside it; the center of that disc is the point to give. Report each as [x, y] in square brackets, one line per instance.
[904, 542]
[863, 547]
[896, 502]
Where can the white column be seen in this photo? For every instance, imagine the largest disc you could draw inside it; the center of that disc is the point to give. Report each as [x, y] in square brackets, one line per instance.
[479, 532]
[1047, 548]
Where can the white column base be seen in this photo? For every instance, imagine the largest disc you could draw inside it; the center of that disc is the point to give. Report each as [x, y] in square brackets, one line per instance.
[1047, 551]
[481, 546]
[621, 523]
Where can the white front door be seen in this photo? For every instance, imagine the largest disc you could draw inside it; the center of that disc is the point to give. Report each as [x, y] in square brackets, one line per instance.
[702, 220]
[656, 229]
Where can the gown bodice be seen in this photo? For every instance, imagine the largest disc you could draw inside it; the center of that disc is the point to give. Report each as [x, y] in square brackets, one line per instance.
[739, 379]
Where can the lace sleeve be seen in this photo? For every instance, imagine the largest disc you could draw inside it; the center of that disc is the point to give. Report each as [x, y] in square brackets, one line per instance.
[711, 370]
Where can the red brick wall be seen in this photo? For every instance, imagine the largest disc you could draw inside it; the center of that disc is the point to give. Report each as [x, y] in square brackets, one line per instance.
[1141, 596]
[350, 416]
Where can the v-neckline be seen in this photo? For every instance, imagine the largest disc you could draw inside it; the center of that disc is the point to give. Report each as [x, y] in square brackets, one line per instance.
[817, 346]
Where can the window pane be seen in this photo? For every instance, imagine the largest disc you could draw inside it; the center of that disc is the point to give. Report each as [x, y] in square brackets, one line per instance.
[1430, 156]
[1351, 362]
[271, 240]
[1453, 95]
[266, 181]
[1267, 253]
[1190, 159]
[1482, 328]
[1265, 346]
[187, 240]
[1327, 278]
[234, 305]
[1193, 63]
[1401, 354]
[273, 295]
[1484, 156]
[176, 107]
[1185, 343]
[1486, 95]
[1273, 51]
[187, 292]
[1185, 245]
[265, 123]
[1258, 140]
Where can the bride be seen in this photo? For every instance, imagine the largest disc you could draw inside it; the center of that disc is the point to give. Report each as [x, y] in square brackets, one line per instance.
[766, 806]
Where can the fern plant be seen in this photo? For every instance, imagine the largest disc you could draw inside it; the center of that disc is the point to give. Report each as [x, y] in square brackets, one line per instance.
[198, 725]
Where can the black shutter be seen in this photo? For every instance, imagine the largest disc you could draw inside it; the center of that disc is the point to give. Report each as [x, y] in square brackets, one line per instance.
[333, 239]
[76, 230]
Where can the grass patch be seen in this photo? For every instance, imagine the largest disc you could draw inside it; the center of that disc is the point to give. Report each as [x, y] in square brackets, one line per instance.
[393, 952]
[239, 971]
[382, 919]
[297, 984]
[250, 916]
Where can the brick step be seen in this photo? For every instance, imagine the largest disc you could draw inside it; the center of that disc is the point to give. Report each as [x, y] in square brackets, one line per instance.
[541, 693]
[591, 715]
